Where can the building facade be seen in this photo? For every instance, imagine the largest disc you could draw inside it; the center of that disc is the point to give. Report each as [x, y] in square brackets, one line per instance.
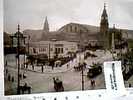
[75, 32]
[53, 48]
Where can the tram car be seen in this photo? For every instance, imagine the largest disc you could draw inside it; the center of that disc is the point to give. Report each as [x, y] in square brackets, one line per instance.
[94, 70]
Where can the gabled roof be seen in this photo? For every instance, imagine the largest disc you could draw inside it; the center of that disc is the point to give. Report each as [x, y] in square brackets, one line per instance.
[90, 28]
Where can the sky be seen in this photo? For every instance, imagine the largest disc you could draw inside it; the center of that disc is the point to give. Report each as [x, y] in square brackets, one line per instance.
[30, 14]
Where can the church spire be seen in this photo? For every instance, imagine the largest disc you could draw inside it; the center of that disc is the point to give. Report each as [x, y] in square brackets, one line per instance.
[104, 21]
[18, 28]
[104, 27]
[104, 5]
[46, 25]
[104, 14]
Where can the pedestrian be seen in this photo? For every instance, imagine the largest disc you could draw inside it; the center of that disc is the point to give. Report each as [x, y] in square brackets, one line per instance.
[6, 71]
[9, 77]
[32, 66]
[56, 64]
[26, 65]
[92, 83]
[24, 76]
[20, 76]
[42, 68]
[67, 66]
[25, 85]
[130, 85]
[6, 63]
[52, 67]
[12, 78]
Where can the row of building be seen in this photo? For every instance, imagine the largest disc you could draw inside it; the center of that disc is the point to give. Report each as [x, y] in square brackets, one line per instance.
[53, 48]
[68, 38]
[65, 40]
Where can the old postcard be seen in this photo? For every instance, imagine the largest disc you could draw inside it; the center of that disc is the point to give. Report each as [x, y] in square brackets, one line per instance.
[56, 46]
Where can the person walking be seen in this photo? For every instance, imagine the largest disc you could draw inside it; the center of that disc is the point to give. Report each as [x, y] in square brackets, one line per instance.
[26, 65]
[6, 63]
[52, 67]
[42, 68]
[12, 78]
[9, 77]
[32, 66]
[93, 83]
[6, 70]
[130, 85]
[67, 66]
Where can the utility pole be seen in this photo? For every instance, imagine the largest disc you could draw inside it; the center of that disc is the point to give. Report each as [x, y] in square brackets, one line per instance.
[82, 77]
[18, 47]
[113, 41]
[121, 45]
[24, 51]
[81, 63]
[28, 43]
[49, 51]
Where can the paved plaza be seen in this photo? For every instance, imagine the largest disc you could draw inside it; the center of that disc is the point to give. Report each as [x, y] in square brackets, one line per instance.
[43, 81]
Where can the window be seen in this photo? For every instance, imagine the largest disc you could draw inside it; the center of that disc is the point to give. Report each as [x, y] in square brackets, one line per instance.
[58, 45]
[56, 51]
[34, 50]
[44, 49]
[70, 28]
[61, 50]
[76, 29]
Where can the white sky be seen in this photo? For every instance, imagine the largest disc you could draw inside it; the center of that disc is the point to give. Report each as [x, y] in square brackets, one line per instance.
[31, 13]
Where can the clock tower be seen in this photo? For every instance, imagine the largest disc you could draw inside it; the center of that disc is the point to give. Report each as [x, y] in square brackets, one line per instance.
[104, 22]
[104, 27]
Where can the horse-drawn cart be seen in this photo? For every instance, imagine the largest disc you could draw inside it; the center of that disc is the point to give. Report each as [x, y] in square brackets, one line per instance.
[95, 70]
[58, 85]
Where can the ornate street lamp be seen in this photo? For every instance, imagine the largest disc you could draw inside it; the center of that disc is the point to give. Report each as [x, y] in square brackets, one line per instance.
[18, 43]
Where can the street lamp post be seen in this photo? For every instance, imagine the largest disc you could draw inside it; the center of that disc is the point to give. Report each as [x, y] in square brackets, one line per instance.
[82, 77]
[28, 43]
[82, 72]
[17, 37]
[18, 47]
[49, 50]
[113, 42]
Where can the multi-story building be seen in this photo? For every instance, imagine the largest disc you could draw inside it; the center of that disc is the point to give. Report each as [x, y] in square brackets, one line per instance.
[81, 33]
[53, 48]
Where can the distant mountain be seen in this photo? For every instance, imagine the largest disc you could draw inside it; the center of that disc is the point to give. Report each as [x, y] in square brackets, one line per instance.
[128, 34]
[35, 35]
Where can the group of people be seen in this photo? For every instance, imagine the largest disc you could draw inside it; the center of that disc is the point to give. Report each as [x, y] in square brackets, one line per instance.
[80, 67]
[25, 88]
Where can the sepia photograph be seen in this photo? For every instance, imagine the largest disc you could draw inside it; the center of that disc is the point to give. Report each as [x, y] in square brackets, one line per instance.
[60, 46]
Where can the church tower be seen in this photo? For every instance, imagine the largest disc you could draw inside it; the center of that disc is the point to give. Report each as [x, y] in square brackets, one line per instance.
[46, 26]
[104, 27]
[104, 22]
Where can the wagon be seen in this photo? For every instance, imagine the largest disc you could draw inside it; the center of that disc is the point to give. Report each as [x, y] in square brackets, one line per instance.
[58, 85]
[94, 71]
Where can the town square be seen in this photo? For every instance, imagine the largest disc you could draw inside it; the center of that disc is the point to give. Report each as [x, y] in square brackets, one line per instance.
[69, 58]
